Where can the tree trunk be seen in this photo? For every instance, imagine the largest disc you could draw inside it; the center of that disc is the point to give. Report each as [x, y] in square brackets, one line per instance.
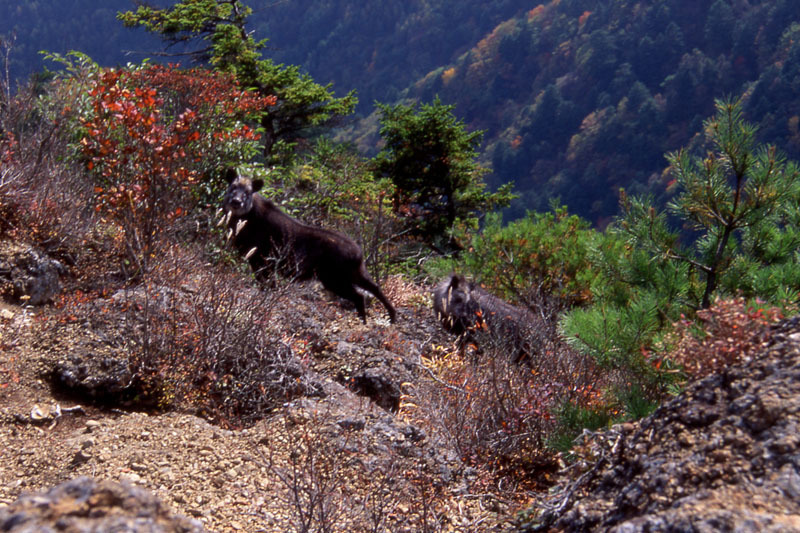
[711, 278]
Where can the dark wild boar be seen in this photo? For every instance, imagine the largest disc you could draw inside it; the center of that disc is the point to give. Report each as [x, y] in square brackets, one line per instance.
[467, 310]
[266, 236]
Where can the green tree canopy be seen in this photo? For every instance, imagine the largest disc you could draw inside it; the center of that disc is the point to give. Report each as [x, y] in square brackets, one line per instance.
[220, 26]
[431, 159]
[737, 198]
[738, 205]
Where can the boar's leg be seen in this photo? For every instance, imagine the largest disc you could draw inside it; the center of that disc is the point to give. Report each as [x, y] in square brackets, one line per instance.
[345, 289]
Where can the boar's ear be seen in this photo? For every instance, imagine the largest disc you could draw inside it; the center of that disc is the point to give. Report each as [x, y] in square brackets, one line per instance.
[454, 281]
[231, 175]
[257, 184]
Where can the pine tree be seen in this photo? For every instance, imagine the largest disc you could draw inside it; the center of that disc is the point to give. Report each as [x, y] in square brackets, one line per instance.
[738, 205]
[733, 200]
[220, 26]
[431, 159]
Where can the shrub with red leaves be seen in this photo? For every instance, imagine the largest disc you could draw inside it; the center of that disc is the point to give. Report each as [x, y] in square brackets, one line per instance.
[152, 135]
[728, 332]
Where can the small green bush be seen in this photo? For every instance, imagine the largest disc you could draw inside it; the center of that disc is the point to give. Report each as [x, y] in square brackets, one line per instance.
[543, 257]
[571, 420]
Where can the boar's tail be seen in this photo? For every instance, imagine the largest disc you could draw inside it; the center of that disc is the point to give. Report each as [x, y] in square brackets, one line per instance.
[366, 283]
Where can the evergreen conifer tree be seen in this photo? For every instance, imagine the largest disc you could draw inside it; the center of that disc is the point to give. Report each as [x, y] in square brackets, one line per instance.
[303, 105]
[431, 159]
[738, 205]
[736, 200]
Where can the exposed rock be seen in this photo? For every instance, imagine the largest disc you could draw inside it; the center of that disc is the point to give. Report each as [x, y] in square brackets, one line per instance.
[92, 362]
[100, 354]
[93, 375]
[381, 379]
[374, 383]
[84, 505]
[723, 456]
[27, 275]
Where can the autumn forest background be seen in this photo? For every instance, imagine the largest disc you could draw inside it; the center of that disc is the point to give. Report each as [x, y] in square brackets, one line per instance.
[578, 98]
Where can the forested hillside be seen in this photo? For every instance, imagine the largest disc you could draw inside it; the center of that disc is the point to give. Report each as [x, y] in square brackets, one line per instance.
[578, 97]
[582, 97]
[84, 25]
[378, 48]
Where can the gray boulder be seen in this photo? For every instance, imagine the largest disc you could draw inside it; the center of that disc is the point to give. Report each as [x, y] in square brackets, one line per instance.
[27, 275]
[722, 456]
[84, 505]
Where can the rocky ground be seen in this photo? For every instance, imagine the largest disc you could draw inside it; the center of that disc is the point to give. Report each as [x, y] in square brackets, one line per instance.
[722, 456]
[345, 458]
[346, 451]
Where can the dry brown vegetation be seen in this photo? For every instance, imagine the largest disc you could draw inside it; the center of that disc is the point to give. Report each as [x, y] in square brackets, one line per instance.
[194, 334]
[727, 333]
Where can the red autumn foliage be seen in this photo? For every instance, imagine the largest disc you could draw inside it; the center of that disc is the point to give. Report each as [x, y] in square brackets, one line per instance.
[728, 332]
[7, 148]
[159, 123]
[152, 134]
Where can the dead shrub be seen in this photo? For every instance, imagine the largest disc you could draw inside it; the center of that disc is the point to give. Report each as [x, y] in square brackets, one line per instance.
[314, 476]
[340, 475]
[44, 199]
[201, 337]
[497, 414]
[193, 337]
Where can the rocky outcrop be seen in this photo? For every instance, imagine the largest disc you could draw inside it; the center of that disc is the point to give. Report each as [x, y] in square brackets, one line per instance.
[27, 275]
[379, 377]
[105, 352]
[723, 456]
[84, 505]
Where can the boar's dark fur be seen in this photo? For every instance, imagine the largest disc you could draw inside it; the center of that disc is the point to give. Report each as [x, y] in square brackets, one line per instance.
[267, 236]
[467, 310]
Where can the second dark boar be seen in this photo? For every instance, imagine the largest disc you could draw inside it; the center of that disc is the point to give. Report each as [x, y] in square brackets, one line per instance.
[466, 309]
[266, 235]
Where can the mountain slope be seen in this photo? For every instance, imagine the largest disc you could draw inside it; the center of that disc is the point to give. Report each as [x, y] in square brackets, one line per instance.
[84, 25]
[578, 97]
[582, 97]
[377, 48]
